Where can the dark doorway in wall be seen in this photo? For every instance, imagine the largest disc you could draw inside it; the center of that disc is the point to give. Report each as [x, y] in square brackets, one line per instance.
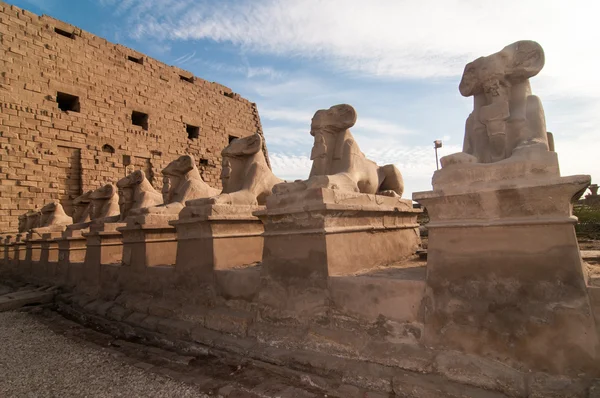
[108, 149]
[193, 132]
[68, 102]
[232, 137]
[139, 119]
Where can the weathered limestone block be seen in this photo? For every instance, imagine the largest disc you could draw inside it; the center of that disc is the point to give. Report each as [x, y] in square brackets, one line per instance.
[317, 233]
[216, 237]
[71, 254]
[50, 255]
[104, 246]
[148, 238]
[220, 232]
[137, 193]
[338, 162]
[505, 277]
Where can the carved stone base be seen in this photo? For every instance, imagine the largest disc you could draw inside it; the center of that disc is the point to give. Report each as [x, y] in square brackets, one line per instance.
[313, 234]
[217, 237]
[505, 278]
[5, 243]
[148, 245]
[48, 264]
[104, 246]
[33, 250]
[72, 247]
[8, 253]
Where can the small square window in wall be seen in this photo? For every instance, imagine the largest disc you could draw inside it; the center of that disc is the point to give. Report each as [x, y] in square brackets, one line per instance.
[193, 132]
[139, 60]
[232, 138]
[68, 102]
[203, 162]
[139, 119]
[70, 35]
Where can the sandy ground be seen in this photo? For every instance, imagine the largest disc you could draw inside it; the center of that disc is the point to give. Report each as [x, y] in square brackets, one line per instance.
[37, 362]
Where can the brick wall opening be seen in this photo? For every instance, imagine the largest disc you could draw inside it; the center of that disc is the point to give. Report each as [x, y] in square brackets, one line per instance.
[203, 162]
[70, 35]
[187, 79]
[193, 132]
[139, 119]
[229, 95]
[232, 137]
[136, 60]
[126, 160]
[108, 149]
[68, 102]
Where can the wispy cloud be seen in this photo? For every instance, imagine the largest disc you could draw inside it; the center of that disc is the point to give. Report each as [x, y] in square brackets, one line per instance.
[392, 41]
[184, 58]
[245, 70]
[387, 38]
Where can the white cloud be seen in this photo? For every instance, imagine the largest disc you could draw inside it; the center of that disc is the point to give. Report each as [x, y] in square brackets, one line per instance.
[387, 37]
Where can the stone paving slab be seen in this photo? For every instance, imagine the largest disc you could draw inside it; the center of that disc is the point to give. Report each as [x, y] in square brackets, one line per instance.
[19, 299]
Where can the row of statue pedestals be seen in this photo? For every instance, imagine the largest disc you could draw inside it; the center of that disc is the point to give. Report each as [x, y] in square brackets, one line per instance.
[504, 277]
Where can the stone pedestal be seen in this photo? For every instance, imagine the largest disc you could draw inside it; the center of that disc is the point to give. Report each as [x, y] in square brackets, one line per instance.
[7, 252]
[104, 247]
[71, 254]
[49, 255]
[217, 237]
[149, 245]
[15, 250]
[33, 243]
[149, 241]
[4, 245]
[505, 277]
[313, 234]
[104, 244]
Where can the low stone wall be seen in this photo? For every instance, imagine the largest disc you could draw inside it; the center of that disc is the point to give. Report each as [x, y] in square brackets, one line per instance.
[369, 333]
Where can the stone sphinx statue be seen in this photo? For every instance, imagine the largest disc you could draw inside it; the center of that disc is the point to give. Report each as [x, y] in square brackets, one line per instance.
[105, 203]
[137, 193]
[32, 220]
[53, 215]
[22, 223]
[185, 184]
[506, 116]
[166, 187]
[246, 177]
[338, 161]
[82, 208]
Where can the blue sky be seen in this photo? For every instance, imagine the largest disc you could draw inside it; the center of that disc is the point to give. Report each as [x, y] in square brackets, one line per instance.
[398, 62]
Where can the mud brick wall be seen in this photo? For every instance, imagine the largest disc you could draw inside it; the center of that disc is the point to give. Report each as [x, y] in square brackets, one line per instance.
[77, 111]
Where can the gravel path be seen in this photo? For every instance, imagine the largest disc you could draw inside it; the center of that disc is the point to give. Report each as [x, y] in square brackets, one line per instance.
[36, 362]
